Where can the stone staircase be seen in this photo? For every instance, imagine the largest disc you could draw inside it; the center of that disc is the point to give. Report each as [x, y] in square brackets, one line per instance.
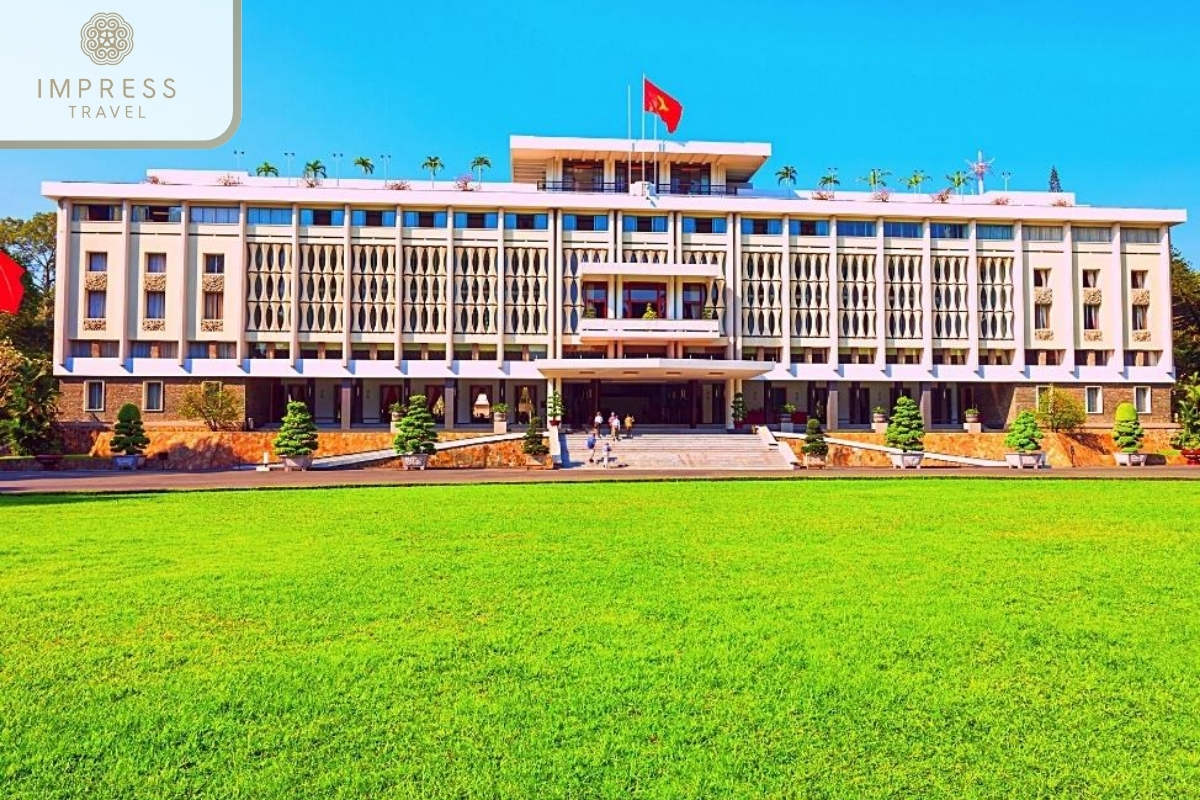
[684, 450]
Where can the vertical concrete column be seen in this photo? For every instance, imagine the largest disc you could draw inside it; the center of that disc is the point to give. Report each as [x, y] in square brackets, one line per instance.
[1020, 299]
[554, 324]
[734, 284]
[185, 277]
[449, 286]
[347, 390]
[294, 313]
[730, 390]
[926, 296]
[64, 321]
[834, 322]
[925, 401]
[1116, 303]
[450, 398]
[500, 287]
[1160, 306]
[1069, 286]
[347, 291]
[973, 297]
[398, 282]
[831, 406]
[785, 287]
[880, 297]
[126, 278]
[237, 291]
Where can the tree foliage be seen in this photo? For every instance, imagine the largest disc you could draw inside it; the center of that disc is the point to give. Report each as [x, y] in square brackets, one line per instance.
[416, 434]
[297, 433]
[1055, 183]
[738, 407]
[32, 244]
[1188, 436]
[1060, 411]
[129, 435]
[1127, 431]
[1185, 308]
[212, 404]
[906, 430]
[533, 443]
[28, 403]
[1024, 436]
[814, 440]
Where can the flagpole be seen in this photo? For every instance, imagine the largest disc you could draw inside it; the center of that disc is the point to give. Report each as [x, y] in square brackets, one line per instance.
[643, 139]
[628, 132]
[656, 153]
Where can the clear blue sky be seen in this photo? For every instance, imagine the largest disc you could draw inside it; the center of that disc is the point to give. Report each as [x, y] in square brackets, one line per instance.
[1109, 92]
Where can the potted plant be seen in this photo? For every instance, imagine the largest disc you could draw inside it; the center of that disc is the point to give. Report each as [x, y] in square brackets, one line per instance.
[297, 439]
[737, 410]
[971, 415]
[1187, 439]
[532, 445]
[815, 449]
[415, 440]
[879, 419]
[785, 417]
[500, 417]
[396, 413]
[129, 438]
[1025, 438]
[649, 313]
[1127, 436]
[554, 409]
[906, 432]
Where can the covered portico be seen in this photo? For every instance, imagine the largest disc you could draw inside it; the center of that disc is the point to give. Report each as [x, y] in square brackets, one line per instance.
[656, 391]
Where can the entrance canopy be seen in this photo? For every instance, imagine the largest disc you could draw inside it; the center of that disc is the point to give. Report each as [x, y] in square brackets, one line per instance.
[652, 369]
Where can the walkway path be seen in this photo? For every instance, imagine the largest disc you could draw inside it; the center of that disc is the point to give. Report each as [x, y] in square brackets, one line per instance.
[690, 450]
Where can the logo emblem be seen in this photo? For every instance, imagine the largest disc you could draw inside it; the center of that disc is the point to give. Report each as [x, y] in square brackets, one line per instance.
[106, 39]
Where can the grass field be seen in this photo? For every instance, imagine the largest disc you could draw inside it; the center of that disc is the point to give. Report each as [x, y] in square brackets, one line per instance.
[881, 638]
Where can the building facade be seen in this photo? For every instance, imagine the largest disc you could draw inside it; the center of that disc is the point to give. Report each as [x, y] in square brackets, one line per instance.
[646, 279]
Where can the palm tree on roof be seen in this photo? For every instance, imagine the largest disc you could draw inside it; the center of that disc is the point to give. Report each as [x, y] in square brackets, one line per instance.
[914, 181]
[479, 164]
[315, 169]
[434, 165]
[786, 176]
[267, 170]
[365, 164]
[958, 179]
[876, 178]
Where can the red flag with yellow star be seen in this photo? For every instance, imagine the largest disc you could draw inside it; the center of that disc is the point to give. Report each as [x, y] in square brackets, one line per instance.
[656, 101]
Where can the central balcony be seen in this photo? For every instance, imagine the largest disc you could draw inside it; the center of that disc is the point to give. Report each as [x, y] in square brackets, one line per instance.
[641, 329]
[638, 268]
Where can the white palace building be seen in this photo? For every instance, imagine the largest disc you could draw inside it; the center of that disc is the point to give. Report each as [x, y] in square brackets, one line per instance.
[659, 290]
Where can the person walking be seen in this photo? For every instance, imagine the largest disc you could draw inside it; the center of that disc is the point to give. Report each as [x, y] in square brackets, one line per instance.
[614, 426]
[629, 426]
[591, 446]
[598, 422]
[607, 453]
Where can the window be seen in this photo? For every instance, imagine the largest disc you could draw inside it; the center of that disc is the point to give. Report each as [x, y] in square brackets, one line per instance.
[96, 213]
[214, 305]
[323, 217]
[367, 218]
[1092, 235]
[226, 350]
[1093, 400]
[525, 222]
[994, 232]
[1137, 279]
[197, 350]
[1141, 399]
[1091, 278]
[93, 395]
[1041, 278]
[214, 264]
[157, 213]
[636, 224]
[585, 222]
[269, 216]
[704, 225]
[152, 396]
[1138, 318]
[902, 230]
[97, 262]
[213, 215]
[471, 220]
[1041, 316]
[1091, 317]
[762, 226]
[595, 300]
[1042, 233]
[808, 227]
[855, 227]
[693, 301]
[156, 262]
[947, 230]
[156, 305]
[1139, 235]
[97, 302]
[424, 219]
[139, 349]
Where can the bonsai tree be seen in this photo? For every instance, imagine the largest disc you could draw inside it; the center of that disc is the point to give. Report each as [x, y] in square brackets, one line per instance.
[129, 436]
[1127, 431]
[1188, 437]
[1060, 411]
[532, 444]
[738, 408]
[554, 407]
[906, 430]
[297, 433]
[1024, 436]
[814, 440]
[416, 435]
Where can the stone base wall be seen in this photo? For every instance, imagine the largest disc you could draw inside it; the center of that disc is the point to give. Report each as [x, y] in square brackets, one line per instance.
[119, 391]
[1003, 402]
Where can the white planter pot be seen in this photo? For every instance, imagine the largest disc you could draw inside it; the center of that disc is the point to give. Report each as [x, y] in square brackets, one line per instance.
[1025, 460]
[499, 423]
[128, 462]
[1130, 459]
[414, 461]
[814, 462]
[300, 463]
[394, 426]
[906, 460]
[786, 425]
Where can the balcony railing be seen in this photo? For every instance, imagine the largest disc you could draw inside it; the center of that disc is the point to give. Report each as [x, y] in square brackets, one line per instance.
[641, 328]
[622, 187]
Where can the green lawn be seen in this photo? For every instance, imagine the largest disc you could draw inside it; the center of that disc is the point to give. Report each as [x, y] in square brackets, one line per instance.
[881, 638]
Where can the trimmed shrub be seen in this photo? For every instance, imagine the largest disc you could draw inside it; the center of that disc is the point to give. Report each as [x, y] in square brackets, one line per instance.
[814, 440]
[416, 433]
[297, 434]
[1127, 431]
[129, 435]
[738, 407]
[1060, 411]
[1024, 436]
[532, 444]
[217, 407]
[906, 430]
